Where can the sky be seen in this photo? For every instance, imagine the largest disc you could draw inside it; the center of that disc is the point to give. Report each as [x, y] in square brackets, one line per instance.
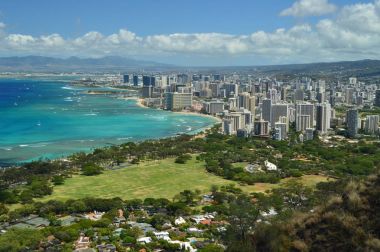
[194, 32]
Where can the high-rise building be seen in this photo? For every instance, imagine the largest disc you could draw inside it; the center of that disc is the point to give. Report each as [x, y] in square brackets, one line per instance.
[266, 110]
[232, 122]
[321, 97]
[305, 109]
[323, 115]
[178, 101]
[135, 80]
[248, 102]
[283, 94]
[278, 110]
[232, 90]
[280, 131]
[147, 91]
[299, 95]
[261, 128]
[352, 119]
[352, 80]
[126, 78]
[377, 98]
[228, 127]
[349, 95]
[214, 107]
[149, 80]
[372, 124]
[302, 122]
[164, 81]
[309, 134]
[233, 103]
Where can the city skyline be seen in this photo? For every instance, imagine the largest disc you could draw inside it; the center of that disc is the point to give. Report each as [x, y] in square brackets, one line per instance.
[196, 33]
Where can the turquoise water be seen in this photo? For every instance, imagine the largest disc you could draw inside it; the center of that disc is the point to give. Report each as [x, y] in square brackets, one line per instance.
[50, 119]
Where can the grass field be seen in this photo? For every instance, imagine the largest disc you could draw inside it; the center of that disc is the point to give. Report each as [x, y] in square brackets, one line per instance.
[155, 179]
[307, 180]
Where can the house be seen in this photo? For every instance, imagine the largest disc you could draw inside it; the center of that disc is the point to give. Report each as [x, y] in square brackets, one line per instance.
[38, 222]
[94, 216]
[32, 221]
[184, 245]
[206, 222]
[119, 219]
[117, 232]
[163, 235]
[207, 198]
[145, 240]
[145, 227]
[251, 168]
[270, 166]
[179, 221]
[106, 248]
[194, 230]
[82, 243]
[270, 212]
[198, 218]
[68, 220]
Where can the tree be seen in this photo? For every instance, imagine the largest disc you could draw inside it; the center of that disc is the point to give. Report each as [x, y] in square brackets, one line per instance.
[295, 195]
[182, 159]
[211, 248]
[91, 169]
[242, 217]
[58, 180]
[3, 209]
[20, 240]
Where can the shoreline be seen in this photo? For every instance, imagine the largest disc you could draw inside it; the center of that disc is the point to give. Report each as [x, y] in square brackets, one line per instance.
[140, 103]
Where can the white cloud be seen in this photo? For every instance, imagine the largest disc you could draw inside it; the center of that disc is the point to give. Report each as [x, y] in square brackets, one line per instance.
[303, 8]
[353, 33]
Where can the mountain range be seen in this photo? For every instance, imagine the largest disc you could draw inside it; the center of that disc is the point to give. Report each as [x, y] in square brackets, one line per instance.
[120, 64]
[50, 64]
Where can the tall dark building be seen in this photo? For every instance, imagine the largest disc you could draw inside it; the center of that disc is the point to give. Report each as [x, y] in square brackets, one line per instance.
[352, 119]
[135, 80]
[149, 81]
[126, 78]
[377, 98]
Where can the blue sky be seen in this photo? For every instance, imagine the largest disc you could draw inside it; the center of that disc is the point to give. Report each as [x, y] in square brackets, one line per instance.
[212, 32]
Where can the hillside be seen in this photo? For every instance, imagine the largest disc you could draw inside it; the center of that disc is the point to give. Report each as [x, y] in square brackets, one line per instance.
[348, 221]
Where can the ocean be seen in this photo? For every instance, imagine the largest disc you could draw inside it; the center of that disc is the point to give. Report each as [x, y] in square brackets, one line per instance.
[41, 118]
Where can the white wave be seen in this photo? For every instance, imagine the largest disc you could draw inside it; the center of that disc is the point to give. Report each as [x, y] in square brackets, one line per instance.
[6, 148]
[68, 99]
[23, 145]
[123, 138]
[91, 114]
[37, 145]
[69, 88]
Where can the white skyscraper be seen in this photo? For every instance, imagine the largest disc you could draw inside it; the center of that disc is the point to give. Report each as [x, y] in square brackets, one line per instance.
[372, 124]
[303, 109]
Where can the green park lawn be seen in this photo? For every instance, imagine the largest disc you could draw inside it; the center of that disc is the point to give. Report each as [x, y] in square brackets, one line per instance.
[156, 179]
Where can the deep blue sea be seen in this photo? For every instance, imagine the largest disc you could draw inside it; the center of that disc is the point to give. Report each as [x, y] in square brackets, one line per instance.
[51, 119]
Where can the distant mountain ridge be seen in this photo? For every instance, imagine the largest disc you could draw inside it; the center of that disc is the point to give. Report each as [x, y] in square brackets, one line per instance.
[120, 64]
[109, 63]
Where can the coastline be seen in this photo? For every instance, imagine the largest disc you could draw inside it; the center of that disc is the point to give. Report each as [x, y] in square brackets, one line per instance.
[201, 132]
[140, 103]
